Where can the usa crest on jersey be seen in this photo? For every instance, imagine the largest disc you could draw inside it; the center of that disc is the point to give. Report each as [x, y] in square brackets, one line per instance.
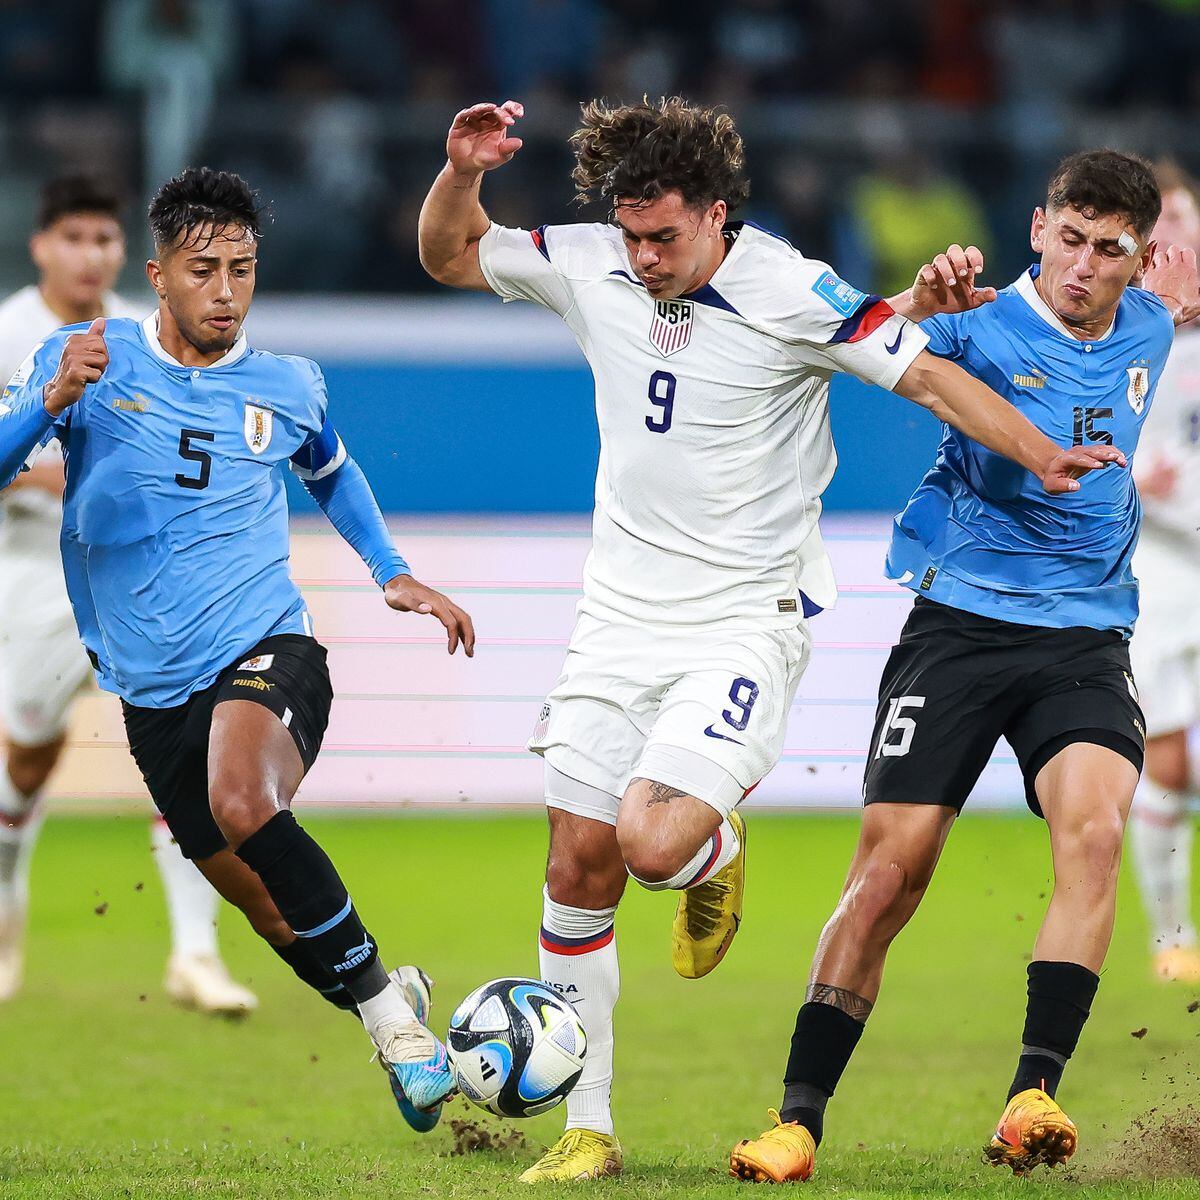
[671, 329]
[258, 427]
[1139, 388]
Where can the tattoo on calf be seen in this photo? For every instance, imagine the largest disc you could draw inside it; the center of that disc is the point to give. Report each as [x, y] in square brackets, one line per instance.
[660, 793]
[852, 1004]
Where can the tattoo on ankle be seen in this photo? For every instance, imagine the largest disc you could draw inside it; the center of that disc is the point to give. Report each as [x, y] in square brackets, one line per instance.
[660, 793]
[852, 1004]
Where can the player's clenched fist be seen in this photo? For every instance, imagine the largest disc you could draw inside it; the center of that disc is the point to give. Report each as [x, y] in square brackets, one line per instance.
[84, 360]
[479, 138]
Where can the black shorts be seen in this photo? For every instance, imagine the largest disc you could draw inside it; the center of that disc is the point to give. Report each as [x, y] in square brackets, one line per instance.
[956, 683]
[286, 673]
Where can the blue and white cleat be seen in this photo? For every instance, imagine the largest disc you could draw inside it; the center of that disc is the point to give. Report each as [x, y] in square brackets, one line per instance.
[415, 1061]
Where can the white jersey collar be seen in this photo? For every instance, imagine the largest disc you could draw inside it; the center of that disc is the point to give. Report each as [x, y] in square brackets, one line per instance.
[1028, 292]
[150, 329]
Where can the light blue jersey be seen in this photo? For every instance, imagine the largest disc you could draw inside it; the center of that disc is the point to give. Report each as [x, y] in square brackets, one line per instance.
[979, 533]
[175, 525]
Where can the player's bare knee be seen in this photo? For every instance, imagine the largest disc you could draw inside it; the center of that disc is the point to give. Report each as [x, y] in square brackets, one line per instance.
[884, 894]
[584, 882]
[30, 766]
[1094, 845]
[240, 808]
[647, 859]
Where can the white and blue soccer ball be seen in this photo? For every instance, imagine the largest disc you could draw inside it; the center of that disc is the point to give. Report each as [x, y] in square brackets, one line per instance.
[516, 1047]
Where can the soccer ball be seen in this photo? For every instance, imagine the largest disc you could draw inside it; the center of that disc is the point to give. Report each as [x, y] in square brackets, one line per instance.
[516, 1047]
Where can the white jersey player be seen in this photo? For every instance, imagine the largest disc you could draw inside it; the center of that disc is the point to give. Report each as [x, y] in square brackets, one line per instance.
[1165, 649]
[78, 249]
[712, 344]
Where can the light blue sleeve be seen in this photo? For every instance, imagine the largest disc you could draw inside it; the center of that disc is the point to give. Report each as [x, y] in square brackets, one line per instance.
[24, 422]
[336, 482]
[946, 334]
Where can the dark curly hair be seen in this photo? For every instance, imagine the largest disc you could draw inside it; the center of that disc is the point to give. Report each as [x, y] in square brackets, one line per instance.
[201, 204]
[638, 152]
[1099, 182]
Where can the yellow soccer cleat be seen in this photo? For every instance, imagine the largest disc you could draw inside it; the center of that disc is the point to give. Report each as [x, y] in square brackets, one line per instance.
[785, 1154]
[578, 1154]
[1178, 964]
[709, 914]
[1033, 1131]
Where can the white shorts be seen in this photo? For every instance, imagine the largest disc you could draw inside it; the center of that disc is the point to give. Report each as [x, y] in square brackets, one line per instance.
[1165, 648]
[42, 665]
[703, 709]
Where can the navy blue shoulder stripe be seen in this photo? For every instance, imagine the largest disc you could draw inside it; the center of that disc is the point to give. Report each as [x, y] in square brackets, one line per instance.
[710, 296]
[707, 295]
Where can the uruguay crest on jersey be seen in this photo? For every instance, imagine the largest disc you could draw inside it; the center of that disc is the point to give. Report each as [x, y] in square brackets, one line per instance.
[258, 427]
[1139, 387]
[671, 329]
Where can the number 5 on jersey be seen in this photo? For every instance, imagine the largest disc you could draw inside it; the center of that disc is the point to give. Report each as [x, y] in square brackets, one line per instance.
[897, 723]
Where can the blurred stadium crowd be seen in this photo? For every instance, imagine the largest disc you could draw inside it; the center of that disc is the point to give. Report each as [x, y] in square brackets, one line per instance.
[878, 130]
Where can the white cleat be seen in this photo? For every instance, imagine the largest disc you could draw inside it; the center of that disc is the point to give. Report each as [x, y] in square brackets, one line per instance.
[202, 982]
[12, 952]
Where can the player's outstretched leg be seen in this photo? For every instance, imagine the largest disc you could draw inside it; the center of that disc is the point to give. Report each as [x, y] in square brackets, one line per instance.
[672, 839]
[23, 772]
[254, 768]
[577, 952]
[195, 977]
[1160, 839]
[897, 851]
[1085, 792]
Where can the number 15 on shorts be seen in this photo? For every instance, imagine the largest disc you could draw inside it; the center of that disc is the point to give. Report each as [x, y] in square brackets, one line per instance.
[895, 738]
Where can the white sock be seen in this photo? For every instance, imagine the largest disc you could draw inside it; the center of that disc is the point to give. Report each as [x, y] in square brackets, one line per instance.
[578, 956]
[703, 865]
[16, 842]
[384, 1011]
[191, 900]
[1161, 842]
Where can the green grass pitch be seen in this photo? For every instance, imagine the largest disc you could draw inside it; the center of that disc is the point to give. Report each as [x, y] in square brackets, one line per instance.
[108, 1091]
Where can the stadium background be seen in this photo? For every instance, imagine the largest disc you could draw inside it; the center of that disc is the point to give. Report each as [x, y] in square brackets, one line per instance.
[877, 134]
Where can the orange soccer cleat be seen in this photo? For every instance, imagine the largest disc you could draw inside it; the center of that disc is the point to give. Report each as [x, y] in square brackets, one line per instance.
[784, 1154]
[1032, 1131]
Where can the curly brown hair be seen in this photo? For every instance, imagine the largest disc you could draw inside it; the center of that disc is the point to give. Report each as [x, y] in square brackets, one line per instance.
[1100, 182]
[638, 152]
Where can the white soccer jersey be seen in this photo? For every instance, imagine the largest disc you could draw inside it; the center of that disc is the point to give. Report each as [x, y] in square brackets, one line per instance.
[1172, 432]
[25, 320]
[713, 410]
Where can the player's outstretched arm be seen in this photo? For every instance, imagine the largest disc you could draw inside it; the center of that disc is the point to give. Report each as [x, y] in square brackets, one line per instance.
[346, 499]
[946, 285]
[1172, 277]
[452, 218]
[973, 408]
[33, 410]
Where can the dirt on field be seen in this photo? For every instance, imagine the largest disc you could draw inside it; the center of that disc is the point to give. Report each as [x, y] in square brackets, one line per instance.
[474, 1136]
[1159, 1145]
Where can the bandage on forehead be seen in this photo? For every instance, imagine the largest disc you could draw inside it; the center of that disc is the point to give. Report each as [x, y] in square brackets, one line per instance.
[1128, 244]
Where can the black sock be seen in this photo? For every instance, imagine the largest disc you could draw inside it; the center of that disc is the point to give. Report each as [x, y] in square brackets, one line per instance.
[1060, 998]
[823, 1041]
[312, 899]
[309, 971]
